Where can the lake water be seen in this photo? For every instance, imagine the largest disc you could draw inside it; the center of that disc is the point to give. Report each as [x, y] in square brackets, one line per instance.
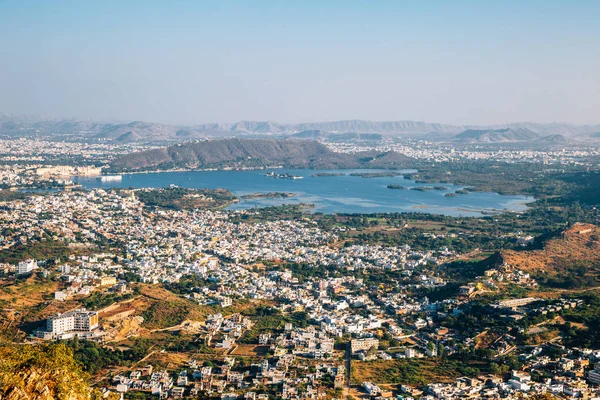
[337, 194]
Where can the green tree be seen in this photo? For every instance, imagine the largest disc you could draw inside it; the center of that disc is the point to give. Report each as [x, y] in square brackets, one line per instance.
[441, 350]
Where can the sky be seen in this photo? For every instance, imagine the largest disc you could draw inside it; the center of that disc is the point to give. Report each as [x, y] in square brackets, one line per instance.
[201, 61]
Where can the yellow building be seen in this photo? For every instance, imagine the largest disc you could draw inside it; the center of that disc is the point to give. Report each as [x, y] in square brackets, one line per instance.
[107, 281]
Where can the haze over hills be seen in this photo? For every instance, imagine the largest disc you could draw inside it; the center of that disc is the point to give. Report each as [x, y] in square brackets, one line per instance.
[335, 137]
[139, 131]
[497, 135]
[554, 139]
[254, 153]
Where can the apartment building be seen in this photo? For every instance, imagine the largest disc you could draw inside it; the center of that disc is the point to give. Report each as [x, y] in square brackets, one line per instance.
[363, 344]
[26, 267]
[79, 322]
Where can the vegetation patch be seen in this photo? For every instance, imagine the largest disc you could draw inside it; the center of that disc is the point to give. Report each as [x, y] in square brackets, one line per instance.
[414, 372]
[185, 199]
[45, 249]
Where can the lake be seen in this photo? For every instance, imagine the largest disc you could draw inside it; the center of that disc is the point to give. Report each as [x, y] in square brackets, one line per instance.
[334, 194]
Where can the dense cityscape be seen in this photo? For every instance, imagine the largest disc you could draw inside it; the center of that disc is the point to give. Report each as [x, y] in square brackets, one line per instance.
[180, 297]
[299, 200]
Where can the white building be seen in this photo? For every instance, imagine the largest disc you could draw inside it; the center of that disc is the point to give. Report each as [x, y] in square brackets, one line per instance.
[226, 302]
[371, 388]
[26, 267]
[594, 376]
[521, 386]
[60, 323]
[71, 324]
[363, 344]
[60, 295]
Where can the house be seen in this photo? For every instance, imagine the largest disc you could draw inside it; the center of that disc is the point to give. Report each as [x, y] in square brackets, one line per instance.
[364, 344]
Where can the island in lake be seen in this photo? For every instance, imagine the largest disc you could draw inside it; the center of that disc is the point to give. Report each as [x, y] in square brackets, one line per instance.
[327, 174]
[376, 174]
[400, 187]
[422, 188]
[283, 176]
[269, 195]
[440, 188]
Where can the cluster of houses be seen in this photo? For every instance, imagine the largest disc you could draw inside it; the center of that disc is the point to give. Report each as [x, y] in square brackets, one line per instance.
[436, 151]
[163, 245]
[236, 261]
[562, 378]
[230, 380]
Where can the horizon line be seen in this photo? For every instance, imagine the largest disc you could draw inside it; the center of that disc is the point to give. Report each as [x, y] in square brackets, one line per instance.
[119, 121]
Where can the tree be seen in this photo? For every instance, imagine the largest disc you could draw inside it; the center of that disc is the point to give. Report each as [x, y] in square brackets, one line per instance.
[431, 347]
[495, 369]
[441, 350]
[372, 351]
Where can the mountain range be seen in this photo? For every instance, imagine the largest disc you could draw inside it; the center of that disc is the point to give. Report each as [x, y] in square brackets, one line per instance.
[138, 131]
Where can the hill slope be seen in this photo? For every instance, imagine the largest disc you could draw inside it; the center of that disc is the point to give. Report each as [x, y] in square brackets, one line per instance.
[569, 261]
[247, 153]
[45, 372]
[496, 135]
[553, 139]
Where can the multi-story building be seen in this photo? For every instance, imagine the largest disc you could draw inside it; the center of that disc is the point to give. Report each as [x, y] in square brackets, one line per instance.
[60, 323]
[106, 281]
[79, 322]
[512, 303]
[410, 352]
[594, 376]
[85, 321]
[363, 344]
[26, 267]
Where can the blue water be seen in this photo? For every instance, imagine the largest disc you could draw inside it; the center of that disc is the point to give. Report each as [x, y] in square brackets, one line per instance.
[339, 194]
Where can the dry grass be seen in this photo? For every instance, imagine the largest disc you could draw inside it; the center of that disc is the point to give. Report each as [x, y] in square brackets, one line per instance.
[560, 253]
[250, 350]
[408, 372]
[165, 309]
[169, 359]
[27, 293]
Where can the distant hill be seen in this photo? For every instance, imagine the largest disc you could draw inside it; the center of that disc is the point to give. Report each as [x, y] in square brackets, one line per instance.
[553, 139]
[389, 159]
[351, 136]
[312, 134]
[254, 153]
[389, 128]
[496, 135]
[137, 130]
[336, 137]
[129, 136]
[12, 126]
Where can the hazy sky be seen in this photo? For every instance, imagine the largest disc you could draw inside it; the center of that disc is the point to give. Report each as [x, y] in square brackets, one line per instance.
[300, 61]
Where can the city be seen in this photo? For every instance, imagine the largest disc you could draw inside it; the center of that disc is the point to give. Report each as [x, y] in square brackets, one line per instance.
[299, 200]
